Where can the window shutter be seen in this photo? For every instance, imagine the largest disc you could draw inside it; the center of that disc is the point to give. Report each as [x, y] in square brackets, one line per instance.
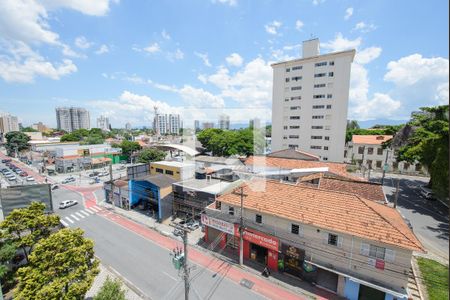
[389, 255]
[325, 237]
[300, 231]
[340, 241]
[365, 249]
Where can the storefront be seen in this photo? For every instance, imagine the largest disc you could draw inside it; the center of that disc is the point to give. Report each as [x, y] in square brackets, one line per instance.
[261, 248]
[292, 258]
[218, 233]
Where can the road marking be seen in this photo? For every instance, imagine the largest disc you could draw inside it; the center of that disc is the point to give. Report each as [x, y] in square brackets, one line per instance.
[64, 223]
[89, 211]
[95, 208]
[68, 219]
[75, 217]
[80, 215]
[171, 277]
[84, 213]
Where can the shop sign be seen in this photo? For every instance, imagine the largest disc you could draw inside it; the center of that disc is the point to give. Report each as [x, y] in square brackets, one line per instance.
[379, 264]
[293, 258]
[261, 239]
[218, 224]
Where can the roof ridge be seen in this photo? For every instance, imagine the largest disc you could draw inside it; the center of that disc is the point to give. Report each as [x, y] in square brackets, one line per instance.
[363, 200]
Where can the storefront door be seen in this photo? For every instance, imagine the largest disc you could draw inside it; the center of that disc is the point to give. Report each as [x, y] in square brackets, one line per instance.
[258, 253]
[368, 293]
[327, 279]
[293, 259]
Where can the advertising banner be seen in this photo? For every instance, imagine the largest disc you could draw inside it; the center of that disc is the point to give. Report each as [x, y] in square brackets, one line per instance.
[218, 224]
[261, 239]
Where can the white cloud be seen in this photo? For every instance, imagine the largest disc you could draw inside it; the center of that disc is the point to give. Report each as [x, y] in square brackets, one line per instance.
[202, 78]
[195, 97]
[317, 2]
[204, 58]
[165, 35]
[177, 55]
[348, 13]
[87, 7]
[82, 43]
[340, 43]
[227, 2]
[153, 48]
[364, 27]
[102, 50]
[442, 93]
[67, 51]
[23, 65]
[272, 27]
[235, 60]
[135, 79]
[380, 106]
[366, 55]
[298, 25]
[414, 68]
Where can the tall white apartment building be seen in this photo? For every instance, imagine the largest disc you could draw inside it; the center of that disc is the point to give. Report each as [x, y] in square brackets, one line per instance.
[167, 124]
[224, 122]
[8, 123]
[310, 102]
[103, 123]
[72, 118]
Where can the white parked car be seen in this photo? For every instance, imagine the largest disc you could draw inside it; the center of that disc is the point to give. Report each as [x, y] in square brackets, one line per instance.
[30, 178]
[67, 203]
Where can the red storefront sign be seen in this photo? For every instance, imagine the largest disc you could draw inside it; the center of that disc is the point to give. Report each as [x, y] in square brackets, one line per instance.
[261, 239]
[379, 264]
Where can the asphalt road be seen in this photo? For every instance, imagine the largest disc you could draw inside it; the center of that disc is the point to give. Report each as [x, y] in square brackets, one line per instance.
[142, 262]
[429, 219]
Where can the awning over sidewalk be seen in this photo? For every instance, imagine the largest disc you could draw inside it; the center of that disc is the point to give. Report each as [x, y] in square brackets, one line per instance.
[363, 282]
[101, 160]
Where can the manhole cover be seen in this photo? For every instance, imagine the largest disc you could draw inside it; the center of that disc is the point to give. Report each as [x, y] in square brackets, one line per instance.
[247, 283]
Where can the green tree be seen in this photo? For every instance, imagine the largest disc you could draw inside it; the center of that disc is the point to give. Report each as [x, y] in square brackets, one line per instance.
[28, 129]
[7, 252]
[150, 155]
[26, 226]
[129, 147]
[232, 142]
[428, 144]
[61, 266]
[111, 290]
[93, 139]
[70, 137]
[16, 141]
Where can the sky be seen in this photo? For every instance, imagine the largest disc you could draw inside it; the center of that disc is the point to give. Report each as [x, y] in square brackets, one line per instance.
[202, 58]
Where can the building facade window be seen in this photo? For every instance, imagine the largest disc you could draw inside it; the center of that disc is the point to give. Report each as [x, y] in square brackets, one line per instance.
[329, 96]
[293, 146]
[169, 172]
[316, 127]
[297, 78]
[288, 70]
[331, 63]
[297, 68]
[158, 170]
[377, 252]
[321, 85]
[318, 96]
[296, 98]
[325, 147]
[317, 117]
[296, 88]
[295, 107]
[231, 211]
[331, 74]
[287, 79]
[285, 127]
[318, 106]
[370, 150]
[360, 150]
[332, 239]
[320, 75]
[295, 229]
[380, 151]
[286, 99]
[316, 147]
[320, 64]
[294, 127]
[258, 219]
[329, 106]
[327, 138]
[293, 136]
[316, 137]
[294, 117]
[378, 163]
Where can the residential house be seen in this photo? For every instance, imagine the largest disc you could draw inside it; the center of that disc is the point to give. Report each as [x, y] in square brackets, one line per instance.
[175, 169]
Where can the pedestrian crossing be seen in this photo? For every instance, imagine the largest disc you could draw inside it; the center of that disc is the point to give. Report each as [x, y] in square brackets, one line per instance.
[80, 215]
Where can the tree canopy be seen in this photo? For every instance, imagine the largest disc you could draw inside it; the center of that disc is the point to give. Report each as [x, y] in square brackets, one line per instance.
[232, 142]
[28, 129]
[86, 137]
[16, 140]
[150, 155]
[353, 129]
[428, 144]
[26, 226]
[128, 147]
[61, 266]
[111, 289]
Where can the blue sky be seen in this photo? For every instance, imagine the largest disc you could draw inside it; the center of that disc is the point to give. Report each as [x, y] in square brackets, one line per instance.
[205, 57]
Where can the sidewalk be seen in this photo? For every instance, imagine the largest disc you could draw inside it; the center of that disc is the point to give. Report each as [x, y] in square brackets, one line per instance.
[277, 286]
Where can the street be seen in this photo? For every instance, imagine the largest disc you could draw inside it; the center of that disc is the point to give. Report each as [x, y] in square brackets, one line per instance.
[428, 218]
[141, 261]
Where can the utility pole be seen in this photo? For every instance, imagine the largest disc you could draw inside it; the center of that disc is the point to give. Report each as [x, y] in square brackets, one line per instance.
[241, 230]
[362, 161]
[396, 193]
[185, 265]
[385, 166]
[110, 172]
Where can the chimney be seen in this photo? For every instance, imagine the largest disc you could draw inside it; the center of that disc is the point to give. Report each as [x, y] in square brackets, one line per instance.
[311, 48]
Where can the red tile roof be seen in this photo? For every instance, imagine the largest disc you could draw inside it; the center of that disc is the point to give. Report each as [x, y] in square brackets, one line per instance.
[337, 211]
[293, 153]
[286, 163]
[371, 139]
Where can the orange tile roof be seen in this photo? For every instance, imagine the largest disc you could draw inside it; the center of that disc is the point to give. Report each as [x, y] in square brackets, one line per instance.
[286, 163]
[314, 157]
[337, 211]
[371, 139]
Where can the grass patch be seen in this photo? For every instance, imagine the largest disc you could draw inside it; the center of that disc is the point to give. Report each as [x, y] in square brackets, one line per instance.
[435, 277]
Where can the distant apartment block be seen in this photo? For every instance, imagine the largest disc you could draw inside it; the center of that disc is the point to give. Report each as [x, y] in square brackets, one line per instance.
[41, 127]
[167, 124]
[224, 122]
[127, 126]
[310, 102]
[72, 118]
[207, 125]
[196, 125]
[8, 123]
[103, 123]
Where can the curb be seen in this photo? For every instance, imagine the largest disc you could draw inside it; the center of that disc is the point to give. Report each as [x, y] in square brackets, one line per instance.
[416, 272]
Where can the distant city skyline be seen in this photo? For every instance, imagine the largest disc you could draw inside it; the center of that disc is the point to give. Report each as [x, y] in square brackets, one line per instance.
[67, 60]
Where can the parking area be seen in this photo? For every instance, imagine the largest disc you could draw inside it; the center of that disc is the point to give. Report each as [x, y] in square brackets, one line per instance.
[12, 174]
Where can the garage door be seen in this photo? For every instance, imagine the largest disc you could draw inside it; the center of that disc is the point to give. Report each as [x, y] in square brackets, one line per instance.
[327, 279]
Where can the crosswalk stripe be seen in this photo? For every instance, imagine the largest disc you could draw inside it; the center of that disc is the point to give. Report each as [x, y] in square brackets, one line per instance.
[80, 215]
[68, 219]
[64, 223]
[89, 211]
[75, 217]
[84, 213]
[95, 208]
